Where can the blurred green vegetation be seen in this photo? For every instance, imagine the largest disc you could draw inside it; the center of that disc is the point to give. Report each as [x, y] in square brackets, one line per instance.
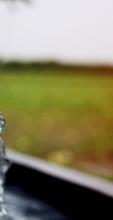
[64, 118]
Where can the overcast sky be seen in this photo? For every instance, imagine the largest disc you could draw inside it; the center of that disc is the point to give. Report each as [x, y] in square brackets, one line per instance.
[73, 30]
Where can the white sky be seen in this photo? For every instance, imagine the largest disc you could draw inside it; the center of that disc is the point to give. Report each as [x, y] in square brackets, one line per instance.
[73, 30]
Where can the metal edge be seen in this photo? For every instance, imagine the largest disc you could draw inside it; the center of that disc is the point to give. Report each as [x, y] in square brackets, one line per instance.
[72, 176]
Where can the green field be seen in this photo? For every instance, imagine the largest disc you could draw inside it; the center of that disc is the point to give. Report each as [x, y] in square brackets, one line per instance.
[64, 118]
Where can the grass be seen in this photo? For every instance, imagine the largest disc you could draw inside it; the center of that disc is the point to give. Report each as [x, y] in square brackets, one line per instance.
[64, 118]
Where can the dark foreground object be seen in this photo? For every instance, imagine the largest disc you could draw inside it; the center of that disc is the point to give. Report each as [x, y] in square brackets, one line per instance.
[37, 190]
[24, 206]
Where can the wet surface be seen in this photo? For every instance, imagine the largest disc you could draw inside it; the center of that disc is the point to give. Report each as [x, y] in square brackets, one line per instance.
[24, 207]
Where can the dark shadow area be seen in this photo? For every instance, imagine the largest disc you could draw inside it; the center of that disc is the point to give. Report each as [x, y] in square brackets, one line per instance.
[73, 200]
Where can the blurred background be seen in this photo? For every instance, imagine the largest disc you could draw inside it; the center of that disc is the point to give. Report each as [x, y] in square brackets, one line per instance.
[56, 81]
